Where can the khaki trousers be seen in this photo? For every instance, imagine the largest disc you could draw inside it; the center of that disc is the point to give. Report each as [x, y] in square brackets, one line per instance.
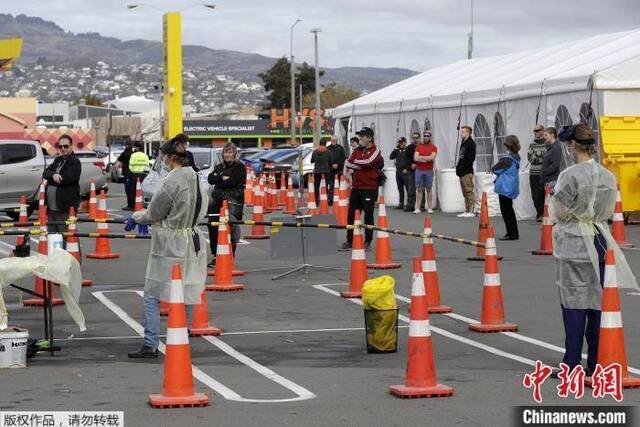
[466, 184]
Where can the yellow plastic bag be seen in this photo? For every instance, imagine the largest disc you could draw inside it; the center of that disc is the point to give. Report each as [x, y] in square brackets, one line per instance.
[378, 294]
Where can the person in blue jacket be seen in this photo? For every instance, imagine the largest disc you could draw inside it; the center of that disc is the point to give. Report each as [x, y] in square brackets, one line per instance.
[507, 185]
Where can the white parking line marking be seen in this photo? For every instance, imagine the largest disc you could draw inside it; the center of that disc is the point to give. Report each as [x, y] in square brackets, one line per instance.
[444, 333]
[301, 392]
[515, 335]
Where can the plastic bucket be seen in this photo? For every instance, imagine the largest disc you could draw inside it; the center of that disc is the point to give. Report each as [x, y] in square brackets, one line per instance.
[484, 182]
[449, 192]
[13, 348]
[54, 241]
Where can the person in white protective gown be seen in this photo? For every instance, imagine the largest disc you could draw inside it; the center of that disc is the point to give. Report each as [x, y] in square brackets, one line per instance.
[174, 211]
[583, 200]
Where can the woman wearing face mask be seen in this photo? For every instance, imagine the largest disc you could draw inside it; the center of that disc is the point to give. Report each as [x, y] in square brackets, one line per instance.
[583, 200]
[228, 179]
[175, 210]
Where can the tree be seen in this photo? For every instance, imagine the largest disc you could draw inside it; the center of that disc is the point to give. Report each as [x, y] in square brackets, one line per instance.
[277, 82]
[331, 96]
[89, 100]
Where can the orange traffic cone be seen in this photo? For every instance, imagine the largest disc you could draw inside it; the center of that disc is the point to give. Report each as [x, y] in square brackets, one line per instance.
[223, 279]
[42, 250]
[324, 201]
[492, 318]
[103, 245]
[430, 272]
[282, 193]
[93, 203]
[483, 223]
[248, 187]
[546, 241]
[272, 199]
[23, 218]
[164, 308]
[200, 323]
[343, 203]
[358, 274]
[224, 213]
[291, 200]
[138, 200]
[617, 225]
[311, 196]
[73, 243]
[383, 242]
[177, 385]
[420, 379]
[257, 230]
[611, 346]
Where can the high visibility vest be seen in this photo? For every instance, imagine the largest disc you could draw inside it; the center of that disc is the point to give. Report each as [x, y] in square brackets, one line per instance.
[139, 162]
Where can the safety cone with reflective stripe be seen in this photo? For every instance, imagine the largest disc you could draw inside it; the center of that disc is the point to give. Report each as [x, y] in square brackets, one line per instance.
[546, 239]
[611, 345]
[42, 250]
[164, 308]
[177, 384]
[93, 202]
[420, 379]
[224, 213]
[383, 242]
[617, 225]
[138, 200]
[73, 243]
[282, 192]
[200, 324]
[223, 278]
[358, 274]
[23, 218]
[430, 272]
[324, 201]
[257, 230]
[492, 318]
[103, 245]
[311, 196]
[248, 187]
[343, 203]
[483, 225]
[291, 200]
[273, 193]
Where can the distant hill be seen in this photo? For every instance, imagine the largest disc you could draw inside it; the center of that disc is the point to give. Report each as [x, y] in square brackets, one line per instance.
[44, 39]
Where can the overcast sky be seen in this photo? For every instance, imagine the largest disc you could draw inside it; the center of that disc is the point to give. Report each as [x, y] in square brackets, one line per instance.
[416, 34]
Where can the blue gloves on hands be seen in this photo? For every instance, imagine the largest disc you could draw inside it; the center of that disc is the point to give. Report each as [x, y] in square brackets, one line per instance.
[143, 229]
[130, 224]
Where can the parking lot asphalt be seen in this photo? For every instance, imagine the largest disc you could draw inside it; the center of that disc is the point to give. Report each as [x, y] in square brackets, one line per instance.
[293, 352]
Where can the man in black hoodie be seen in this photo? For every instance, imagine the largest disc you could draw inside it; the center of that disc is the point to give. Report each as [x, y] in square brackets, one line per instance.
[338, 156]
[464, 170]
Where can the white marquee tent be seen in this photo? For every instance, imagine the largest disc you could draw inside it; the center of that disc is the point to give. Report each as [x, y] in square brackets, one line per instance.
[561, 84]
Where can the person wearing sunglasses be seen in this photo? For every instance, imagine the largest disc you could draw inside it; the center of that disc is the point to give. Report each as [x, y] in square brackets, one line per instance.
[63, 184]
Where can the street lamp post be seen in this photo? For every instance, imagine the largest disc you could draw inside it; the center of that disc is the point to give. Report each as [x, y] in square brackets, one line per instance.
[316, 127]
[293, 84]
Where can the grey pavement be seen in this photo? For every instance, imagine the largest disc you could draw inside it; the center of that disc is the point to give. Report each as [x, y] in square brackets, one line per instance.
[313, 339]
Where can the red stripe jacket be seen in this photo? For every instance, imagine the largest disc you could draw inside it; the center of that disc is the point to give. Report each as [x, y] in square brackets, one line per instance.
[365, 164]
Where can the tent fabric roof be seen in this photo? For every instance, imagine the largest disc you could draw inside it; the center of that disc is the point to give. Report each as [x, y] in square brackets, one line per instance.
[611, 59]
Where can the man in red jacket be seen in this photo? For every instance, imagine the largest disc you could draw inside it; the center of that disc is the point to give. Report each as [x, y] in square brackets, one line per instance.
[365, 166]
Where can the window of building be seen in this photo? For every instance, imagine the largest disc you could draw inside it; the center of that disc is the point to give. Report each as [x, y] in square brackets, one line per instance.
[499, 132]
[484, 147]
[563, 118]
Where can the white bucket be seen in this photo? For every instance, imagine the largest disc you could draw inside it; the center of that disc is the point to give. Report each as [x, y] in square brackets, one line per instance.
[449, 193]
[13, 348]
[54, 241]
[484, 182]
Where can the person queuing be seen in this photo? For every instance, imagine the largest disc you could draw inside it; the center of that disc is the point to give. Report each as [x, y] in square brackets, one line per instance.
[464, 170]
[424, 158]
[552, 160]
[354, 143]
[338, 156]
[228, 179]
[364, 164]
[535, 154]
[63, 185]
[123, 163]
[583, 200]
[322, 161]
[138, 168]
[175, 210]
[507, 185]
[402, 169]
[410, 181]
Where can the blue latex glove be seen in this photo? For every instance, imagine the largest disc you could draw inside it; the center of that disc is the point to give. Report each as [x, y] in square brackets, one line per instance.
[143, 229]
[130, 224]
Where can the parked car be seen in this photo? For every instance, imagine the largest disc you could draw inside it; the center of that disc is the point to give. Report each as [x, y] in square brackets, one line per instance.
[269, 156]
[205, 158]
[243, 153]
[285, 164]
[22, 163]
[307, 169]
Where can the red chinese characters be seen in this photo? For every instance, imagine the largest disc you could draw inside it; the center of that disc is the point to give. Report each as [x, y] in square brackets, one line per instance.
[608, 381]
[536, 379]
[571, 382]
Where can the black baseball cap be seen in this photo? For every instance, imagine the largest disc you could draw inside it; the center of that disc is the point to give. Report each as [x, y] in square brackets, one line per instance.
[402, 139]
[365, 131]
[580, 133]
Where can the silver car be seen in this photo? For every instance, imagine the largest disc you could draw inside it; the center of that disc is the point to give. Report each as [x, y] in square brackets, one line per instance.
[205, 158]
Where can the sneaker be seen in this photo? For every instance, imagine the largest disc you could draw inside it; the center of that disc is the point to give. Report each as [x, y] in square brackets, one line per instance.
[417, 211]
[126, 208]
[346, 246]
[367, 246]
[462, 215]
[144, 353]
[429, 211]
[212, 264]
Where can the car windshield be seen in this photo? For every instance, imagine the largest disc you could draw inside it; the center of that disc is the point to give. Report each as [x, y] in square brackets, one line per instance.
[202, 159]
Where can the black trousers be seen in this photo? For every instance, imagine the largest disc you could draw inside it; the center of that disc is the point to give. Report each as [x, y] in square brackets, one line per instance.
[509, 216]
[410, 187]
[363, 201]
[130, 187]
[537, 193]
[215, 204]
[317, 180]
[400, 178]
